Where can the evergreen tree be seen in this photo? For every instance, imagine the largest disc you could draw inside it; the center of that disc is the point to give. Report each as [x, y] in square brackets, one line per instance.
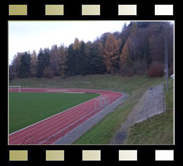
[96, 62]
[43, 61]
[24, 70]
[82, 60]
[54, 59]
[71, 62]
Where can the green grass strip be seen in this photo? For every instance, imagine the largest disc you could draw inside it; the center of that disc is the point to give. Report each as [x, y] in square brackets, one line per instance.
[28, 108]
[157, 129]
[102, 132]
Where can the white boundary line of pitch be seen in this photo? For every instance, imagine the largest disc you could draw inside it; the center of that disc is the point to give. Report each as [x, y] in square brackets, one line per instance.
[53, 115]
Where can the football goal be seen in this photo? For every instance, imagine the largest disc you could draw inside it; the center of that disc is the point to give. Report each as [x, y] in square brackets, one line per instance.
[15, 88]
[101, 102]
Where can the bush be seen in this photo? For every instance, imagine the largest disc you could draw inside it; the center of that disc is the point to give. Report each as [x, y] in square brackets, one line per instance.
[48, 72]
[126, 71]
[156, 70]
[140, 67]
[130, 72]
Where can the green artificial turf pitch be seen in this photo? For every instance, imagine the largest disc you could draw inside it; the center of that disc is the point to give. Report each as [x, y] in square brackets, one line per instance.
[28, 108]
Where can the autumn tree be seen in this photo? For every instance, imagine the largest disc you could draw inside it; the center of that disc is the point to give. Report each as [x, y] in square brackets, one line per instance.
[33, 65]
[76, 44]
[48, 72]
[62, 60]
[111, 53]
[104, 37]
[15, 66]
[125, 55]
[137, 49]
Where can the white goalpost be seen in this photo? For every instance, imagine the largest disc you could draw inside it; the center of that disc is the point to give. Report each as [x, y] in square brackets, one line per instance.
[101, 102]
[15, 88]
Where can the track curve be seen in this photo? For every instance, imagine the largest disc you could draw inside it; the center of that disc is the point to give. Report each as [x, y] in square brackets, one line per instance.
[51, 129]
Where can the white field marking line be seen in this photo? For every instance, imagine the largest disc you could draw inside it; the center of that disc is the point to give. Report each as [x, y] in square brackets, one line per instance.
[83, 108]
[58, 117]
[96, 90]
[100, 95]
[85, 90]
[42, 114]
[71, 124]
[51, 116]
[75, 92]
[100, 110]
[56, 134]
[87, 120]
[57, 90]
[67, 120]
[44, 131]
[66, 127]
[60, 131]
[46, 138]
[54, 121]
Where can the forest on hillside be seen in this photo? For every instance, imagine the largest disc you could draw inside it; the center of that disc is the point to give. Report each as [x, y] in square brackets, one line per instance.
[139, 49]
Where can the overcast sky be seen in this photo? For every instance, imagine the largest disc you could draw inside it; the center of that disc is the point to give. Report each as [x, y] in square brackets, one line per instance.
[33, 35]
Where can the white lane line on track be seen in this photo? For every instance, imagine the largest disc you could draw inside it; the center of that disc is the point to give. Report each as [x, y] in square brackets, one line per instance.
[116, 96]
[55, 122]
[54, 119]
[51, 116]
[116, 100]
[71, 112]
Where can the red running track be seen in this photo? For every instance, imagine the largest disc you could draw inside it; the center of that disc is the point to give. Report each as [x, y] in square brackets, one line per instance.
[50, 130]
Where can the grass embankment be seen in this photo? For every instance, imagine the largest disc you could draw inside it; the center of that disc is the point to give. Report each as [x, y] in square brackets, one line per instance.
[106, 128]
[110, 82]
[28, 108]
[103, 132]
[157, 129]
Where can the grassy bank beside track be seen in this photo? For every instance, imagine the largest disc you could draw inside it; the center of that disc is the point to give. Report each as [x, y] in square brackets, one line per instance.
[157, 129]
[135, 86]
[106, 81]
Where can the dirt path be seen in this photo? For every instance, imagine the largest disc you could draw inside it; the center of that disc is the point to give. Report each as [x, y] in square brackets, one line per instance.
[150, 104]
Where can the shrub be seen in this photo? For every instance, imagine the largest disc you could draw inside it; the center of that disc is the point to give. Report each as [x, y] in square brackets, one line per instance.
[140, 67]
[156, 70]
[126, 71]
[130, 72]
[48, 72]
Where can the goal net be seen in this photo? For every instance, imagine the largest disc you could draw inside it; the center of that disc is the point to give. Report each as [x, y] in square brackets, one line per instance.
[15, 88]
[101, 102]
